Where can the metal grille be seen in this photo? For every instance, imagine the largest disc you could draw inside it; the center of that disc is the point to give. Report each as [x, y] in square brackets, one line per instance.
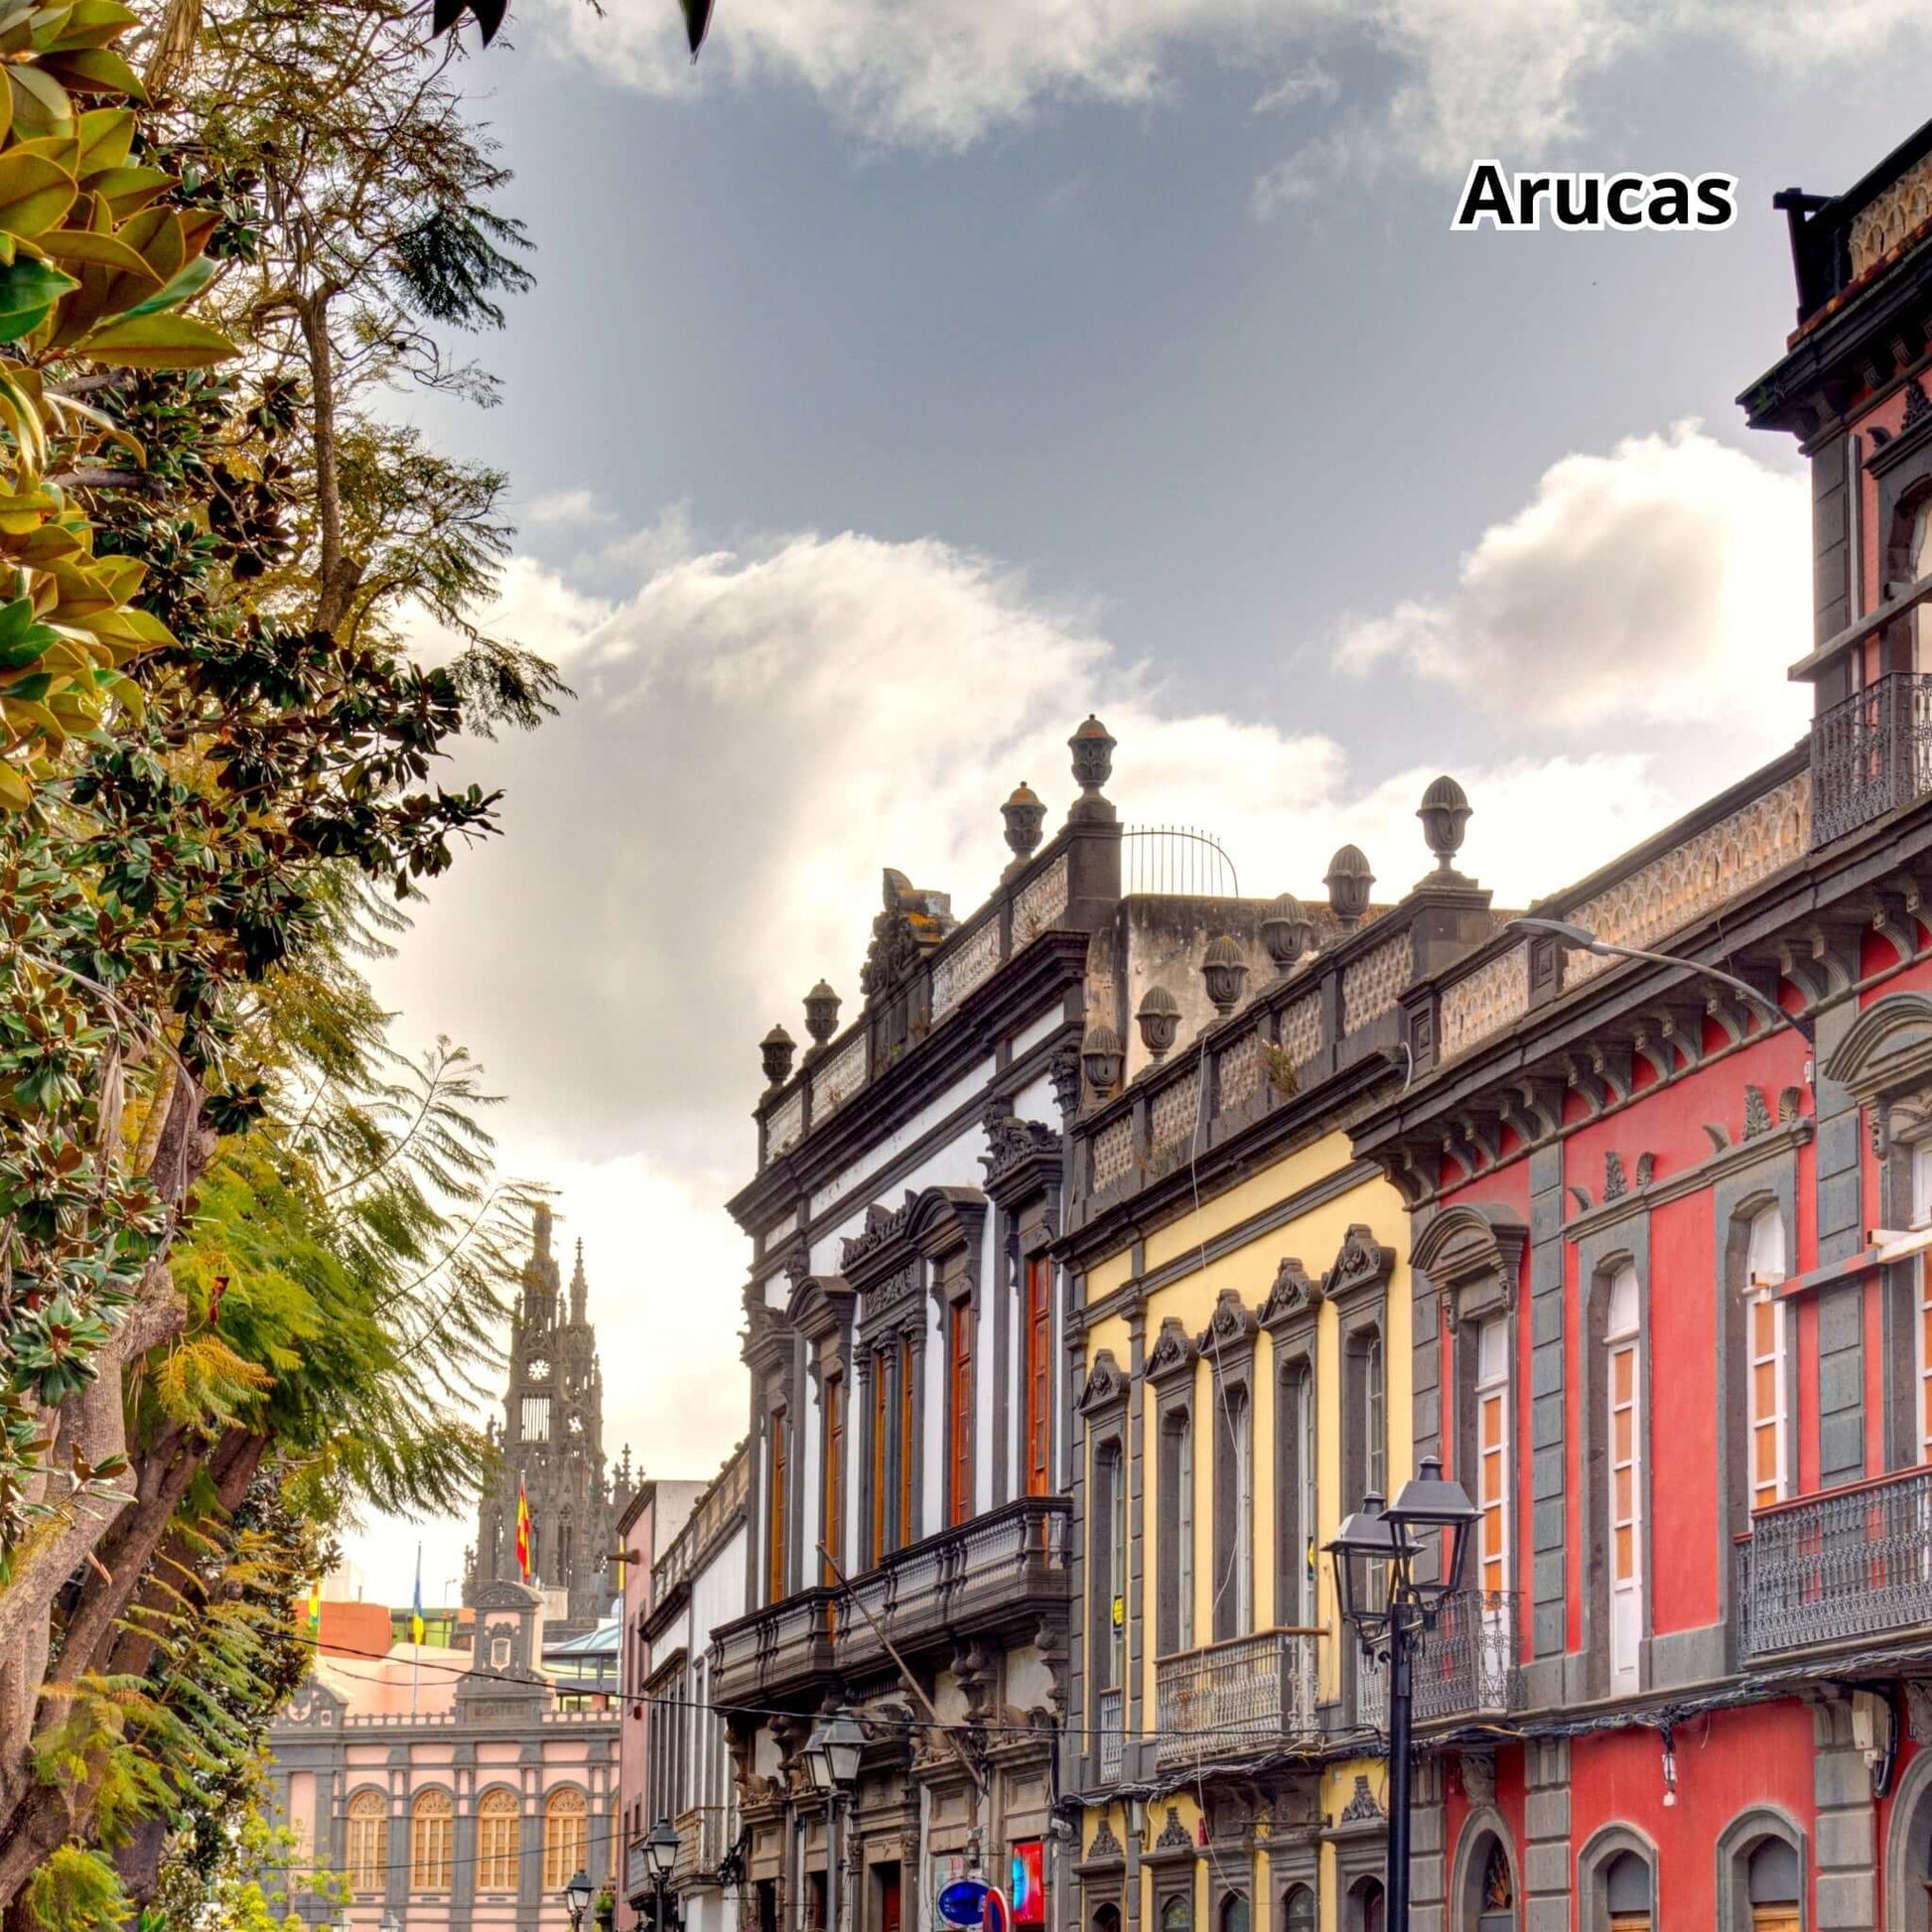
[1112, 1717]
[1256, 1693]
[1838, 1567]
[1871, 753]
[1467, 1662]
[1179, 859]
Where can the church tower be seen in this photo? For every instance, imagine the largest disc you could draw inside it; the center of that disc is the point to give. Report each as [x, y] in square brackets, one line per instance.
[552, 1439]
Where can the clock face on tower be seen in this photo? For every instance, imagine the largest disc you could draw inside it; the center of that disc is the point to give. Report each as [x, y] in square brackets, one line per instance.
[539, 1370]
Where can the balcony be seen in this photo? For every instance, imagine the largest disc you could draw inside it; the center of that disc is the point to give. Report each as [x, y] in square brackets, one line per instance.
[1827, 1569]
[1250, 1694]
[1111, 1716]
[1871, 753]
[999, 1572]
[1465, 1667]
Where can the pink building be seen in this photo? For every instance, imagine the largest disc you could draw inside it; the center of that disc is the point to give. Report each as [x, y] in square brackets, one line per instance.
[453, 1789]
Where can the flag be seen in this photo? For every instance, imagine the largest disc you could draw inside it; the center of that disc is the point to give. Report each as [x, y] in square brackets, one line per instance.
[315, 1607]
[522, 1531]
[416, 1607]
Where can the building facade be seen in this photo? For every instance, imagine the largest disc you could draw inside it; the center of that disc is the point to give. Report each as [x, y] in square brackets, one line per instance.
[552, 1444]
[1240, 1300]
[1672, 1309]
[908, 1434]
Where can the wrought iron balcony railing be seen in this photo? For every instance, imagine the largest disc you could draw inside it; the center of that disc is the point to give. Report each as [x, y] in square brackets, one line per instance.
[1829, 1569]
[1463, 1667]
[1249, 1694]
[999, 1568]
[1869, 753]
[1110, 1713]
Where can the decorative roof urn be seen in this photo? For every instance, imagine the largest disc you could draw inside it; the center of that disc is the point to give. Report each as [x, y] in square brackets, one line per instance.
[1025, 818]
[1159, 1021]
[1102, 1057]
[1443, 811]
[1092, 747]
[1348, 882]
[777, 1049]
[1288, 932]
[821, 1015]
[1225, 972]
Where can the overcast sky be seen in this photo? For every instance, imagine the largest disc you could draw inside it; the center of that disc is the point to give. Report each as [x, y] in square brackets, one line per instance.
[911, 376]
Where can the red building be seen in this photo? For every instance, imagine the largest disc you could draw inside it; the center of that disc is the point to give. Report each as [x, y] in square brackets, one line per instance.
[1674, 1316]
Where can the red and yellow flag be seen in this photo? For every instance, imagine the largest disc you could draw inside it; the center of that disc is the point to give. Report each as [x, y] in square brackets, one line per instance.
[522, 1532]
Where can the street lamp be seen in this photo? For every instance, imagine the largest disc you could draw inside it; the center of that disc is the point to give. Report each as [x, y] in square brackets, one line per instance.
[576, 1897]
[1391, 1608]
[660, 1860]
[831, 1763]
[1579, 938]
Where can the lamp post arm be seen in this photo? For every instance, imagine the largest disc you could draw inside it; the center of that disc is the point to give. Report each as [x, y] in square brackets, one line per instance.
[1765, 1005]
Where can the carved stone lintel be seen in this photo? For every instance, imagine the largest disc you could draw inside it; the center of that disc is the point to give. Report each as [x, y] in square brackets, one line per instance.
[1757, 1113]
[1918, 1711]
[1361, 1808]
[1615, 1183]
[1478, 1773]
[1063, 1070]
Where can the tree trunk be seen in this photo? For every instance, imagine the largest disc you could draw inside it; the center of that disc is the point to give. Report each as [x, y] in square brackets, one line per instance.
[336, 572]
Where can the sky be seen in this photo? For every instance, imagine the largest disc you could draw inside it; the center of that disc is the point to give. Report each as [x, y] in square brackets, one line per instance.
[908, 377]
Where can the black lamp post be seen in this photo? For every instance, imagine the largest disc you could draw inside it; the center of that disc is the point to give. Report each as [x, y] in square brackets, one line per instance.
[831, 1763]
[660, 1860]
[1578, 938]
[1379, 1592]
[576, 1897]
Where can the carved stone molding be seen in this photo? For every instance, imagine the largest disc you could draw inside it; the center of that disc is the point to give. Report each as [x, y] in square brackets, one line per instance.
[1173, 1354]
[1474, 1256]
[1361, 1269]
[1106, 1386]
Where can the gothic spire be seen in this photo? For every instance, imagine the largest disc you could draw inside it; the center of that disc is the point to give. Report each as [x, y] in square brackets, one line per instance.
[578, 1287]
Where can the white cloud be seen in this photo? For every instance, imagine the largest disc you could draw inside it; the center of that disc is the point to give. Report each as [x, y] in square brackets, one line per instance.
[1470, 76]
[1667, 580]
[566, 508]
[699, 837]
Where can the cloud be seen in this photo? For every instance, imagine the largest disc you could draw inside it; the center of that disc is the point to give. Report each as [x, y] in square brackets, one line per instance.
[564, 507]
[1463, 76]
[699, 837]
[1665, 581]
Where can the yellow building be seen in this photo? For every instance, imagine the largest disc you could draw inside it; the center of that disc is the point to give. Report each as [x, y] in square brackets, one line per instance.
[1240, 1306]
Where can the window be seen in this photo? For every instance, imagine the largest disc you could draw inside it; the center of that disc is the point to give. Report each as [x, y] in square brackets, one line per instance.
[832, 1511]
[1040, 1376]
[1772, 1879]
[1626, 1473]
[1375, 1420]
[1177, 1913]
[1496, 1896]
[432, 1843]
[883, 1411]
[566, 1835]
[1234, 1913]
[1297, 1910]
[779, 1501]
[499, 1820]
[536, 1419]
[905, 1530]
[1921, 1216]
[1766, 1318]
[368, 1843]
[1626, 1894]
[1176, 1603]
[959, 1407]
[1234, 1570]
[1110, 1512]
[1492, 1458]
[1295, 1494]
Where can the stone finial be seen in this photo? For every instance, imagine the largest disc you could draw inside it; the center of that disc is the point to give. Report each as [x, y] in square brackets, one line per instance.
[1348, 882]
[1159, 1021]
[1225, 972]
[1102, 1057]
[777, 1049]
[1025, 818]
[1287, 931]
[1443, 811]
[821, 1015]
[1092, 747]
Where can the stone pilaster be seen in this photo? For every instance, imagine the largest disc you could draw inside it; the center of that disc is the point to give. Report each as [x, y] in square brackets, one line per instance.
[1547, 1878]
[1427, 1868]
[1846, 1847]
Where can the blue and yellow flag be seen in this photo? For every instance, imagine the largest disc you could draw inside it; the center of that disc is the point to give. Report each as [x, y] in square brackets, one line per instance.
[416, 1607]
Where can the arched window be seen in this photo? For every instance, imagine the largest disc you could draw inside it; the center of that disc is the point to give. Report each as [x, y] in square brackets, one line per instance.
[1366, 1907]
[1767, 1317]
[1177, 1913]
[368, 1843]
[1627, 1893]
[1621, 1346]
[566, 1837]
[1772, 1882]
[1106, 1918]
[1497, 1898]
[499, 1818]
[432, 1841]
[1234, 1913]
[1297, 1910]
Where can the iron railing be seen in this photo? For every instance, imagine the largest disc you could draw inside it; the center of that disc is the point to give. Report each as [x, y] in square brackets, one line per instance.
[1838, 1567]
[990, 1570]
[1468, 1663]
[1110, 1713]
[1249, 1694]
[1869, 753]
[1176, 860]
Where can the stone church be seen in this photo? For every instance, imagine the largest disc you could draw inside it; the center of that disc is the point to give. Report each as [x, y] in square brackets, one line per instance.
[552, 1439]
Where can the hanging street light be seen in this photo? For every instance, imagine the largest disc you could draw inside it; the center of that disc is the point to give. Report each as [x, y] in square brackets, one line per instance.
[832, 1753]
